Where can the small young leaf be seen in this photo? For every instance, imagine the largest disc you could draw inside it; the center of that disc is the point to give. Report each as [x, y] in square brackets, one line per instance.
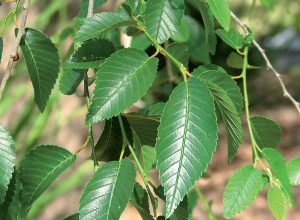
[266, 132]
[183, 33]
[100, 23]
[230, 105]
[278, 166]
[242, 189]
[220, 9]
[277, 202]
[163, 17]
[121, 81]
[39, 169]
[293, 168]
[42, 61]
[7, 161]
[231, 37]
[108, 192]
[187, 138]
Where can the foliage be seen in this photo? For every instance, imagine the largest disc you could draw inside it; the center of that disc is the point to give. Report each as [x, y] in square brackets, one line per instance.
[171, 52]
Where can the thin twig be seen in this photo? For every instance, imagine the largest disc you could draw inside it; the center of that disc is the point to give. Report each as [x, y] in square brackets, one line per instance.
[268, 63]
[14, 52]
[90, 8]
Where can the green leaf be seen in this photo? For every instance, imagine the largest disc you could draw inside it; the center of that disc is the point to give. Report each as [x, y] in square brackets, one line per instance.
[108, 192]
[220, 84]
[136, 7]
[236, 61]
[155, 109]
[83, 10]
[109, 145]
[40, 167]
[73, 217]
[121, 81]
[145, 127]
[242, 189]
[91, 54]
[266, 132]
[183, 33]
[140, 42]
[42, 61]
[147, 158]
[277, 202]
[70, 80]
[187, 138]
[100, 23]
[278, 166]
[1, 48]
[139, 198]
[231, 37]
[209, 24]
[180, 52]
[293, 168]
[181, 212]
[7, 160]
[163, 17]
[10, 208]
[220, 9]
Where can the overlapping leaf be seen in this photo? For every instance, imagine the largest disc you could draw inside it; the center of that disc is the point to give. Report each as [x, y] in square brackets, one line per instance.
[39, 169]
[121, 81]
[109, 145]
[155, 109]
[277, 202]
[267, 133]
[7, 161]
[100, 23]
[139, 198]
[145, 127]
[147, 158]
[163, 17]
[180, 52]
[220, 9]
[293, 168]
[231, 37]
[42, 62]
[228, 99]
[187, 138]
[10, 208]
[108, 192]
[242, 189]
[278, 166]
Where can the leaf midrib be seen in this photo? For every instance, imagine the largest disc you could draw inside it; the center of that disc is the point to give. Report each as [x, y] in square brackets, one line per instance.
[186, 125]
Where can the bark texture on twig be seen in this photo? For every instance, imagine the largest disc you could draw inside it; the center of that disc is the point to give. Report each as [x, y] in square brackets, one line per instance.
[268, 63]
[14, 52]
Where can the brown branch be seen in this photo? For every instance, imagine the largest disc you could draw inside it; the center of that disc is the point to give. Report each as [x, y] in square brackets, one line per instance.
[268, 63]
[14, 52]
